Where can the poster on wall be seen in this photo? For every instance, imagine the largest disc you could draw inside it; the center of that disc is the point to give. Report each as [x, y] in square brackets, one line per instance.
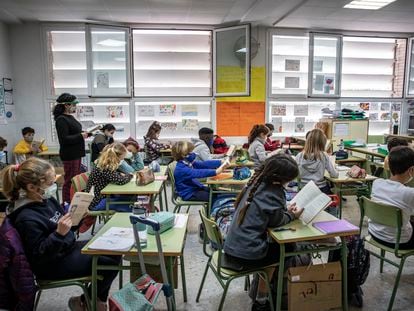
[2, 108]
[395, 106]
[291, 82]
[189, 111]
[114, 112]
[300, 110]
[385, 106]
[373, 106]
[386, 116]
[364, 106]
[143, 126]
[299, 125]
[168, 110]
[8, 98]
[278, 124]
[279, 110]
[190, 125]
[318, 83]
[146, 111]
[169, 126]
[85, 112]
[102, 80]
[318, 65]
[292, 65]
[373, 116]
[7, 84]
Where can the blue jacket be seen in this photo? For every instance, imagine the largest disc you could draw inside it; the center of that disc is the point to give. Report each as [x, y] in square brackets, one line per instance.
[186, 175]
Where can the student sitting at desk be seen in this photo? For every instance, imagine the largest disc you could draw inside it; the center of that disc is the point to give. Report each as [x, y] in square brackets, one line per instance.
[153, 145]
[45, 230]
[106, 137]
[188, 170]
[133, 161]
[3, 144]
[203, 145]
[26, 147]
[260, 206]
[313, 161]
[391, 143]
[256, 140]
[271, 145]
[106, 172]
[394, 192]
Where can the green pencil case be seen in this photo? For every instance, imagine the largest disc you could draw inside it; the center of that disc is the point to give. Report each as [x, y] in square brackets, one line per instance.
[165, 219]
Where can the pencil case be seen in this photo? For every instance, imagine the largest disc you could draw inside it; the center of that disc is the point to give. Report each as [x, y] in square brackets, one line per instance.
[165, 219]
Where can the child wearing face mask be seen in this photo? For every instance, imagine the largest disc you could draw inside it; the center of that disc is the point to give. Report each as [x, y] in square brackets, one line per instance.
[45, 230]
[106, 172]
[393, 191]
[24, 149]
[152, 144]
[204, 145]
[187, 171]
[133, 161]
[257, 139]
[3, 144]
[106, 137]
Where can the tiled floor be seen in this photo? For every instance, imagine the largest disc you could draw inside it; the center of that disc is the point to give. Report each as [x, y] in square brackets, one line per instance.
[377, 288]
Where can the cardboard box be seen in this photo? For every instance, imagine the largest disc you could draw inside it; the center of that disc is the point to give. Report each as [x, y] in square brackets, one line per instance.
[317, 287]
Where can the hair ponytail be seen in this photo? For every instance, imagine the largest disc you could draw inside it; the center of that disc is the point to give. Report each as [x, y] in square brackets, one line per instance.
[256, 131]
[110, 156]
[58, 110]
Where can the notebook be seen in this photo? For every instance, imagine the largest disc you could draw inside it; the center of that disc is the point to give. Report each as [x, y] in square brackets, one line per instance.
[312, 200]
[231, 151]
[335, 226]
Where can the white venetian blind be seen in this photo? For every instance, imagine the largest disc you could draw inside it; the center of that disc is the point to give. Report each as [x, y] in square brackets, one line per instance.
[172, 62]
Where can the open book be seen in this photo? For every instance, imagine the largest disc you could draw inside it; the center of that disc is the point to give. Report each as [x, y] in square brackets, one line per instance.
[312, 200]
[37, 143]
[79, 206]
[90, 126]
[231, 151]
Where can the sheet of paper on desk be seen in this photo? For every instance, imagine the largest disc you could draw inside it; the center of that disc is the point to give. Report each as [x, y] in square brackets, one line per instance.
[119, 232]
[342, 168]
[180, 221]
[112, 243]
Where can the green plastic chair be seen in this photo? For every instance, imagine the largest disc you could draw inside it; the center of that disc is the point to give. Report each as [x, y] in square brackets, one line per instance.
[82, 282]
[224, 275]
[178, 201]
[391, 216]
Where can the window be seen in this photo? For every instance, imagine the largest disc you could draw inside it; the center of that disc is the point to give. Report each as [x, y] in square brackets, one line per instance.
[67, 68]
[410, 74]
[372, 67]
[325, 56]
[179, 119]
[290, 58]
[172, 62]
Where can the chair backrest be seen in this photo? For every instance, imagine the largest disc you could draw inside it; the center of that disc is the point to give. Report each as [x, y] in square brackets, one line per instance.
[79, 183]
[212, 231]
[171, 169]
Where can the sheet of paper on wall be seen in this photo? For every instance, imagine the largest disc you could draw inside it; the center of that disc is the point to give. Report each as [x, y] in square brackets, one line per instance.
[292, 65]
[169, 126]
[10, 113]
[85, 112]
[115, 112]
[102, 80]
[190, 125]
[8, 98]
[146, 110]
[7, 84]
[385, 106]
[318, 65]
[341, 129]
[142, 127]
[279, 110]
[373, 106]
[189, 111]
[385, 116]
[299, 125]
[278, 124]
[373, 116]
[318, 83]
[168, 110]
[395, 106]
[292, 82]
[300, 110]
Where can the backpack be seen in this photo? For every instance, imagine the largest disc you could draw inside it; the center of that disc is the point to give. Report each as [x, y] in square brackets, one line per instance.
[358, 267]
[222, 212]
[241, 173]
[219, 145]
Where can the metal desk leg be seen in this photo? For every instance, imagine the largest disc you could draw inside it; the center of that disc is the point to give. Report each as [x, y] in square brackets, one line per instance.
[184, 283]
[170, 272]
[108, 201]
[344, 253]
[161, 201]
[165, 196]
[280, 278]
[340, 200]
[94, 288]
[210, 200]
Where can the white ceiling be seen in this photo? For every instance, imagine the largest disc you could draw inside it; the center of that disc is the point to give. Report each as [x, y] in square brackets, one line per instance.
[326, 14]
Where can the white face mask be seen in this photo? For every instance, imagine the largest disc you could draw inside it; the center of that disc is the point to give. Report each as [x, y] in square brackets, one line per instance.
[128, 155]
[72, 109]
[48, 192]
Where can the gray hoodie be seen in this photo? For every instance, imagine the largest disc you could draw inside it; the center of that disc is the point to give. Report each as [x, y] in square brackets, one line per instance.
[312, 169]
[202, 151]
[257, 152]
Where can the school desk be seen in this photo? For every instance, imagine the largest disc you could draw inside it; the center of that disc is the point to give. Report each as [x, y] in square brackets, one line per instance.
[352, 160]
[231, 186]
[173, 242]
[342, 184]
[369, 151]
[53, 151]
[309, 233]
[248, 164]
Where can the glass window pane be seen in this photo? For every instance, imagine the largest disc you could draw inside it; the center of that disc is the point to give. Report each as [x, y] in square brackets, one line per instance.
[372, 67]
[67, 62]
[410, 90]
[290, 58]
[179, 119]
[172, 62]
[324, 78]
[232, 61]
[109, 61]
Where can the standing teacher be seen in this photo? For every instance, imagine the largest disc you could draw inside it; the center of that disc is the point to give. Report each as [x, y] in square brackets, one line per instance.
[71, 139]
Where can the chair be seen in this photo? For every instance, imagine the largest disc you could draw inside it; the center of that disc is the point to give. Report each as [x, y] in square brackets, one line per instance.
[224, 275]
[177, 201]
[391, 216]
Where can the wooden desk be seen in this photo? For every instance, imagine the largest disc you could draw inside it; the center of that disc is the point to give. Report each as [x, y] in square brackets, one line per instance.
[249, 164]
[409, 138]
[309, 233]
[293, 146]
[342, 180]
[173, 242]
[352, 161]
[53, 151]
[368, 151]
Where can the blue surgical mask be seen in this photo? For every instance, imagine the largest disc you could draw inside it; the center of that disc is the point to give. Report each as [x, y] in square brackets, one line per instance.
[191, 157]
[128, 155]
[2, 155]
[210, 143]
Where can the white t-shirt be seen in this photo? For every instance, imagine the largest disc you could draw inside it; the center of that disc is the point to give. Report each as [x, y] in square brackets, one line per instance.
[393, 193]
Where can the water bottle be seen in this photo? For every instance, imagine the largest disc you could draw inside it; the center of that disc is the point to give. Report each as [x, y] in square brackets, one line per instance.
[341, 145]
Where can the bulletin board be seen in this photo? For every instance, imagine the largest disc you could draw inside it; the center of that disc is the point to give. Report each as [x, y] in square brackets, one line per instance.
[238, 118]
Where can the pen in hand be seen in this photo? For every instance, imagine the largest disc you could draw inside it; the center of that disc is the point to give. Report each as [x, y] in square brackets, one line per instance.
[283, 229]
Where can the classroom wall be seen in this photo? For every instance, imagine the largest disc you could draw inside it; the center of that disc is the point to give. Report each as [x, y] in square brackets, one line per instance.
[27, 69]
[7, 131]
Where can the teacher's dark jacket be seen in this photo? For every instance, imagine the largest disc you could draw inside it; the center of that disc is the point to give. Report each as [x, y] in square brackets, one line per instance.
[71, 141]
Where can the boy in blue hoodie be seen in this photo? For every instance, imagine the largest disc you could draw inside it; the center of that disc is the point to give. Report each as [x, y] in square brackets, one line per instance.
[187, 171]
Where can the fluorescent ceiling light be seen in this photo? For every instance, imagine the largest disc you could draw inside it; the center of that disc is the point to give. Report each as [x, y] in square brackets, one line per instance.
[111, 42]
[368, 4]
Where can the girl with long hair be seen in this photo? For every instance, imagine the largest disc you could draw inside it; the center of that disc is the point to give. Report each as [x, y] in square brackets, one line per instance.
[257, 139]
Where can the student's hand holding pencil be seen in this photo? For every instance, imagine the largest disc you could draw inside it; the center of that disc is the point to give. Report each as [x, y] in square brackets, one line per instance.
[64, 224]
